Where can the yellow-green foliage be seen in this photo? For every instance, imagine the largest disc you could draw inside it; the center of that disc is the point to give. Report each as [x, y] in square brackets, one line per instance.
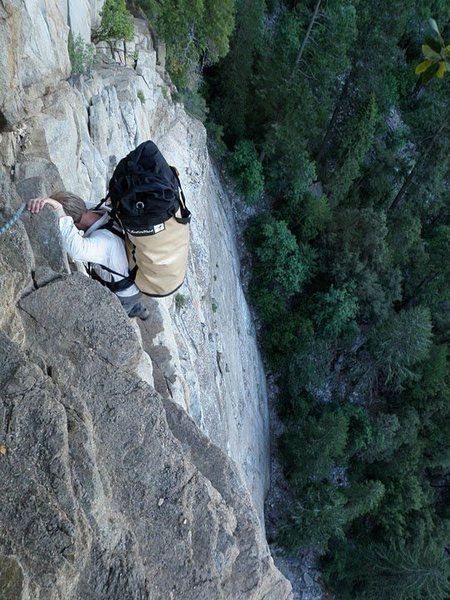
[436, 54]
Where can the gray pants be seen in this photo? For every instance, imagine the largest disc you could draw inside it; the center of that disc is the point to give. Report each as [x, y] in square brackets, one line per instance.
[128, 302]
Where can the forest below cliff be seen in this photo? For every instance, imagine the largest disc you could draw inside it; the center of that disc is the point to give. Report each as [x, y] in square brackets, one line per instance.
[344, 150]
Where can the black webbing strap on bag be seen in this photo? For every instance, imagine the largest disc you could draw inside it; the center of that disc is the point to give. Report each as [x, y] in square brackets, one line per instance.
[126, 281]
[115, 286]
[185, 212]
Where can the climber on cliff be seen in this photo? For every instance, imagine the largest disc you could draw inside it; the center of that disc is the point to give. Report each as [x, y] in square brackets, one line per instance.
[102, 251]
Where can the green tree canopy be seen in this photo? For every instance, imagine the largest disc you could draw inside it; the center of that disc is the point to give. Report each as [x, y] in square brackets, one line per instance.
[279, 260]
[400, 342]
[248, 170]
[413, 572]
[196, 32]
[116, 22]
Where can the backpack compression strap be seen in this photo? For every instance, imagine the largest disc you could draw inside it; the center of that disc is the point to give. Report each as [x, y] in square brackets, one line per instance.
[185, 212]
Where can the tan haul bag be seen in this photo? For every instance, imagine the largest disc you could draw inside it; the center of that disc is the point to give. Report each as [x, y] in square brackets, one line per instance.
[162, 257]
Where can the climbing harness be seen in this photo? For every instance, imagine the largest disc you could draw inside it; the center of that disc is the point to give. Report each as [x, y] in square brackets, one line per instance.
[13, 220]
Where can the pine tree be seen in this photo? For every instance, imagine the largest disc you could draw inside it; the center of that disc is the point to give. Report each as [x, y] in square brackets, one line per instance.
[362, 498]
[280, 261]
[431, 284]
[356, 249]
[319, 516]
[232, 80]
[411, 572]
[400, 342]
[247, 170]
[335, 310]
[354, 151]
[312, 446]
[353, 296]
[215, 29]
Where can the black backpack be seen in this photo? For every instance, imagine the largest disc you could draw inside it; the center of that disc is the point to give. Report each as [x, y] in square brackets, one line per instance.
[144, 191]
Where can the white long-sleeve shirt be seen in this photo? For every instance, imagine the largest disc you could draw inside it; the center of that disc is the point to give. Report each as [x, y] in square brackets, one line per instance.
[99, 247]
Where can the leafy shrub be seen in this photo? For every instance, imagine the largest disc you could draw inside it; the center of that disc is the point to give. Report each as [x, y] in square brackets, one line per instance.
[81, 54]
[116, 23]
[196, 35]
[195, 105]
[180, 301]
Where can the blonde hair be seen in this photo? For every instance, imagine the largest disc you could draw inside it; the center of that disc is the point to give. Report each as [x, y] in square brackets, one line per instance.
[73, 205]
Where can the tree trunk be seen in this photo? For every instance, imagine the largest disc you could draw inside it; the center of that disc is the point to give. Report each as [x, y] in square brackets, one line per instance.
[306, 38]
[331, 124]
[401, 193]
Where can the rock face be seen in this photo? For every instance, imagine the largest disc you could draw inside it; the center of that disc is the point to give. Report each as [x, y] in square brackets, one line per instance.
[29, 63]
[99, 500]
[133, 461]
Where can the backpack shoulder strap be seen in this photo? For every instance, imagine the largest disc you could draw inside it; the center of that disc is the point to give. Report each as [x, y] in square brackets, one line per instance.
[124, 282]
[115, 286]
[102, 202]
[110, 226]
